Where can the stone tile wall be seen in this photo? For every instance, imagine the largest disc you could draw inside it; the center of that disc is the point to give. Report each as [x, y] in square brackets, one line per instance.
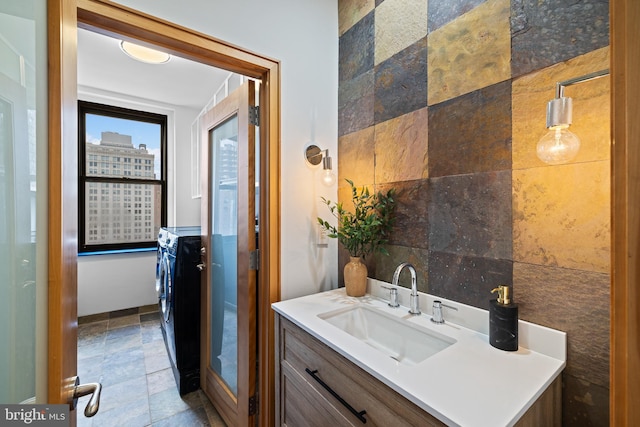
[444, 100]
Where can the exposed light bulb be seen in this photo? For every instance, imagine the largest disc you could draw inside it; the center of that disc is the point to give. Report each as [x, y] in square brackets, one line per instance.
[328, 177]
[558, 146]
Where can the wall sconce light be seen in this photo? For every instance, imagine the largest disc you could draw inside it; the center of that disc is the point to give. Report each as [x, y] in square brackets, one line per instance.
[559, 145]
[314, 155]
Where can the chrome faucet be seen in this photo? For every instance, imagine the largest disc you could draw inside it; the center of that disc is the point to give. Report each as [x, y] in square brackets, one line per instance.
[414, 306]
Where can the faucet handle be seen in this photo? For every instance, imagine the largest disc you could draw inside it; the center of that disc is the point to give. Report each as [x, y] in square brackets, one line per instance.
[393, 297]
[437, 316]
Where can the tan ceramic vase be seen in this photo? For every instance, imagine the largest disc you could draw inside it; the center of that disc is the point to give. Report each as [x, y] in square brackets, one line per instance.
[355, 277]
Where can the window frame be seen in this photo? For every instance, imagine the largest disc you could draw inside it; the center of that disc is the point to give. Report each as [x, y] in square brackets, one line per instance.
[84, 108]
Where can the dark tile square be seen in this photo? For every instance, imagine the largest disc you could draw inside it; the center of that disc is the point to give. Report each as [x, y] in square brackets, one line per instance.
[412, 217]
[552, 31]
[441, 12]
[356, 49]
[401, 82]
[465, 279]
[476, 127]
[355, 103]
[471, 215]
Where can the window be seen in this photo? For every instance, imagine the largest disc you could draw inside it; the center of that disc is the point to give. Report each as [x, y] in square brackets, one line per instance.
[111, 140]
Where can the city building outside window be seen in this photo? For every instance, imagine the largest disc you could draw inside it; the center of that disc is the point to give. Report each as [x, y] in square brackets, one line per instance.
[114, 144]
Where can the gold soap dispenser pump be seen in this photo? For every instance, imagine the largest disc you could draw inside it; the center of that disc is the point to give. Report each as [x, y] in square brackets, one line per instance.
[503, 320]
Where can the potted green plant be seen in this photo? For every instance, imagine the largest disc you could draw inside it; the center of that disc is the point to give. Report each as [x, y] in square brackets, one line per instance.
[361, 232]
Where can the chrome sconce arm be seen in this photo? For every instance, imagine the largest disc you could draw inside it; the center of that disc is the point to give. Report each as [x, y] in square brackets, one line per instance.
[560, 145]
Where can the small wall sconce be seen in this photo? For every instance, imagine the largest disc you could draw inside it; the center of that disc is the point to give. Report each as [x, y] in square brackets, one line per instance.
[314, 155]
[559, 145]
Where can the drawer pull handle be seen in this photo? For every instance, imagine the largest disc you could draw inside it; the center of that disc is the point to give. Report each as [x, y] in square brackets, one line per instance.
[359, 415]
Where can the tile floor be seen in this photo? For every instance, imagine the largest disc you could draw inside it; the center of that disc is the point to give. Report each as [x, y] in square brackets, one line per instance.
[127, 354]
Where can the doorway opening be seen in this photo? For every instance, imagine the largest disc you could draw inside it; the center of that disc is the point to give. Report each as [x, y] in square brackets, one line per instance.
[131, 25]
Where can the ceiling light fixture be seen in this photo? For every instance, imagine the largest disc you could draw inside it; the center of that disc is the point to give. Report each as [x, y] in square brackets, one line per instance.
[559, 145]
[144, 54]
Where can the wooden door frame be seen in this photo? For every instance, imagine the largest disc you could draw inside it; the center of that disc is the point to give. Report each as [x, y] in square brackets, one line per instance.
[625, 215]
[105, 17]
[115, 19]
[62, 235]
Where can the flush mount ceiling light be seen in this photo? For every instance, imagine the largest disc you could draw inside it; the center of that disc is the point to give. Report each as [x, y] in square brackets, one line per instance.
[144, 54]
[559, 145]
[314, 155]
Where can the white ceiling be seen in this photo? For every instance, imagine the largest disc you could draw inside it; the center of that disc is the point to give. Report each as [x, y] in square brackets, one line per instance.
[181, 82]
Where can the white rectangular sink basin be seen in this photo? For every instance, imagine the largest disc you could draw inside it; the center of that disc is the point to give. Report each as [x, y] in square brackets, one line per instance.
[395, 337]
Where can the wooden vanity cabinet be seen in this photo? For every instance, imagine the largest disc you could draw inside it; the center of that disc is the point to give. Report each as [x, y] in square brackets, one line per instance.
[303, 363]
[303, 401]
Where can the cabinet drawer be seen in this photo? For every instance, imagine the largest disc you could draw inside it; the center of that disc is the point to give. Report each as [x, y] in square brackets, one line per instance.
[303, 406]
[300, 352]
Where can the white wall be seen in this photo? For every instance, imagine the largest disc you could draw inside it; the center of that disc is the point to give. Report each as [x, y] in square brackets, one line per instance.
[303, 35]
[118, 281]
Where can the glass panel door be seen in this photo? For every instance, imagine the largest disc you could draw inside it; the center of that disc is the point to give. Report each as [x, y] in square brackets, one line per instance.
[22, 120]
[228, 220]
[224, 249]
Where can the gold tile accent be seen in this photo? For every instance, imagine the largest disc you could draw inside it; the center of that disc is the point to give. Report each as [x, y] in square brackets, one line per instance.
[471, 52]
[344, 196]
[356, 157]
[352, 11]
[401, 148]
[561, 216]
[398, 24]
[591, 108]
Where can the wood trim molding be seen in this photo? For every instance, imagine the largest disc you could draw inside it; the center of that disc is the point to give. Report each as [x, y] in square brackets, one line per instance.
[62, 194]
[112, 19]
[119, 21]
[625, 213]
[270, 239]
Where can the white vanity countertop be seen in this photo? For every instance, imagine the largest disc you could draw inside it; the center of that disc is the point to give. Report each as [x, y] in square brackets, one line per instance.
[470, 383]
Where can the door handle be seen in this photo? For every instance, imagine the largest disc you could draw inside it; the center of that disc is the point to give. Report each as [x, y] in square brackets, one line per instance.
[94, 389]
[203, 254]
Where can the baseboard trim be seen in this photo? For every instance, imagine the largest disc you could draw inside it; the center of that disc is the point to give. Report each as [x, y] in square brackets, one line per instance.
[117, 313]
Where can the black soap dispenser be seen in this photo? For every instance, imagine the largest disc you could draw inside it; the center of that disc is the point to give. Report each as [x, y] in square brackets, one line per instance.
[503, 320]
